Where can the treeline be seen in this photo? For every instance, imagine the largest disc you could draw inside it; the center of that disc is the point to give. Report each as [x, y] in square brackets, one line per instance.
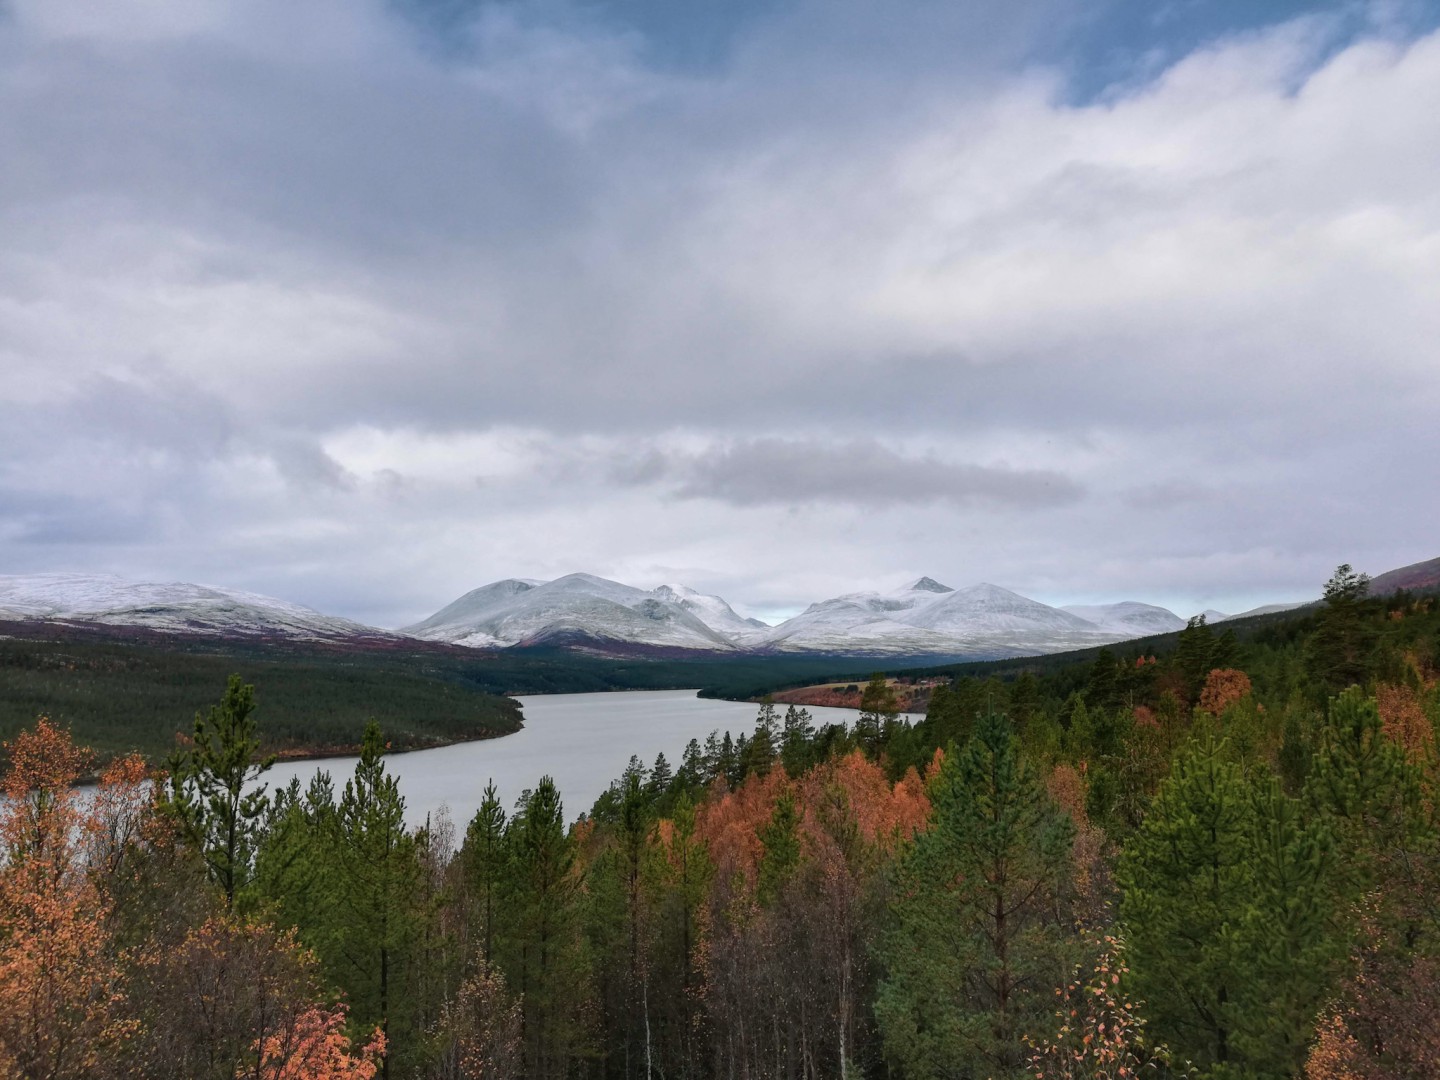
[118, 698]
[1213, 863]
[118, 694]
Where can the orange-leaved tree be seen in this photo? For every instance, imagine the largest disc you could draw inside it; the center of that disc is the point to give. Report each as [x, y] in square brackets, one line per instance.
[1223, 688]
[313, 1046]
[59, 980]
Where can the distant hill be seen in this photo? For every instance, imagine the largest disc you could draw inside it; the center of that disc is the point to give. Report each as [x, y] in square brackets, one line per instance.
[1417, 577]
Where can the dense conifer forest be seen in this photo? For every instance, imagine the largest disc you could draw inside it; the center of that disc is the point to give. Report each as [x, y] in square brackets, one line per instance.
[118, 693]
[1219, 861]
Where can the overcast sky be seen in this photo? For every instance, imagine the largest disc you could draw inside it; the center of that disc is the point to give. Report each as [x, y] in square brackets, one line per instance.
[366, 304]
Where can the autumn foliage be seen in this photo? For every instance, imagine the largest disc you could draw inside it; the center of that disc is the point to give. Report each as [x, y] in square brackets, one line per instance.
[314, 1046]
[1223, 688]
[1403, 719]
[1385, 1025]
[77, 1004]
[1099, 1033]
[60, 982]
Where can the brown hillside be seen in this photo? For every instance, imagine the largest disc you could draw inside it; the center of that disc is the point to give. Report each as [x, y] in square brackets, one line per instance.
[1417, 577]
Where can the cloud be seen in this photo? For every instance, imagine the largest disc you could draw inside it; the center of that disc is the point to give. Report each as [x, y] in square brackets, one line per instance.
[281, 281]
[861, 473]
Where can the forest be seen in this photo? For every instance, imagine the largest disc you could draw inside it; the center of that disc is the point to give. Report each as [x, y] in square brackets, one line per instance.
[1220, 862]
[118, 691]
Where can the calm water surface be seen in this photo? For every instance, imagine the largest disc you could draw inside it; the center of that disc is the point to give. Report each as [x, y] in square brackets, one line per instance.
[582, 740]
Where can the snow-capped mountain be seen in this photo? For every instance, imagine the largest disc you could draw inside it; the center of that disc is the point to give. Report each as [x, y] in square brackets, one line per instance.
[715, 613]
[864, 623]
[1129, 617]
[989, 609]
[581, 609]
[173, 607]
[926, 617]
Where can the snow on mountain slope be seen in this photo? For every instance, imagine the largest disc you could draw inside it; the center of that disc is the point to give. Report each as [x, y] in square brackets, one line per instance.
[177, 607]
[929, 618]
[715, 613]
[855, 625]
[1129, 617]
[924, 618]
[473, 609]
[989, 609]
[570, 610]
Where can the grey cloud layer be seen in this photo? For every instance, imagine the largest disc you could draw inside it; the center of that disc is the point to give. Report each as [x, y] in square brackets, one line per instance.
[789, 472]
[279, 283]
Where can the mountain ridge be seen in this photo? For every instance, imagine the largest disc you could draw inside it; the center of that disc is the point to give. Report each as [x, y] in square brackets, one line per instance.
[585, 612]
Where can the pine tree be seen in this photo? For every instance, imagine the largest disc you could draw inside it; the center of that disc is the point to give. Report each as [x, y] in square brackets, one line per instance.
[715, 764]
[768, 720]
[678, 872]
[1102, 689]
[294, 859]
[691, 774]
[1195, 654]
[1357, 774]
[780, 838]
[878, 711]
[1024, 699]
[727, 761]
[1337, 654]
[1225, 910]
[975, 946]
[377, 886]
[212, 793]
[796, 735]
[484, 860]
[1363, 784]
[635, 822]
[660, 778]
[758, 753]
[548, 969]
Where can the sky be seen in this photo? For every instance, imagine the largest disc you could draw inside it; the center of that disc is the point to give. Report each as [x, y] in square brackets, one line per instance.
[364, 304]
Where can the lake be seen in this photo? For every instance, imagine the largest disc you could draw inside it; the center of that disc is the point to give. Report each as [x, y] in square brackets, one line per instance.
[583, 741]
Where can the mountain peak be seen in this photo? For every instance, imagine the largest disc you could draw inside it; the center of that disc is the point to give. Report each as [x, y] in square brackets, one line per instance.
[929, 584]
